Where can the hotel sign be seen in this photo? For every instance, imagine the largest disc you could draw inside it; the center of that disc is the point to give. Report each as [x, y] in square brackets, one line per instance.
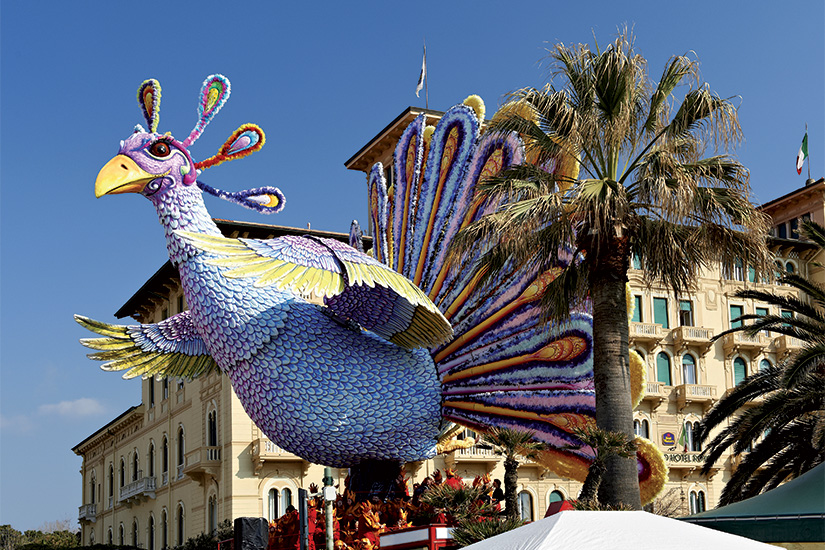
[668, 439]
[684, 457]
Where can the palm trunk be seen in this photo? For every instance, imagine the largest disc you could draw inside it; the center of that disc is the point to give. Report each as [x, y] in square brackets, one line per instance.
[510, 484]
[590, 488]
[611, 369]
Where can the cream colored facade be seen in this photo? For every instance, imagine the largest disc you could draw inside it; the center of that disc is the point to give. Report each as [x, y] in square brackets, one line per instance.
[188, 457]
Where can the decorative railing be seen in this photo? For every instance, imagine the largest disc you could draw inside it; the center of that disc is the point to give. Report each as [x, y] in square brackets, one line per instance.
[87, 512]
[695, 393]
[142, 487]
[164, 479]
[646, 331]
[180, 471]
[693, 336]
[478, 451]
[739, 340]
[788, 344]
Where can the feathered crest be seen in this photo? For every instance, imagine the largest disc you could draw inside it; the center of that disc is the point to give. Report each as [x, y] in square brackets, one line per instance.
[244, 141]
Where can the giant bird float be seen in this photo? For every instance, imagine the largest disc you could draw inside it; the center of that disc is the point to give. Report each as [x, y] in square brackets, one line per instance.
[406, 345]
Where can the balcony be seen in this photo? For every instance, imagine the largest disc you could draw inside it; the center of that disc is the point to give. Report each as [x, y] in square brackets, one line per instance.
[480, 452]
[695, 393]
[203, 464]
[786, 345]
[179, 472]
[739, 341]
[87, 512]
[164, 479]
[139, 490]
[263, 450]
[646, 332]
[656, 392]
[698, 337]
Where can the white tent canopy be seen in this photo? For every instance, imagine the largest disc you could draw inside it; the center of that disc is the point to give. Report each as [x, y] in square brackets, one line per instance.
[582, 530]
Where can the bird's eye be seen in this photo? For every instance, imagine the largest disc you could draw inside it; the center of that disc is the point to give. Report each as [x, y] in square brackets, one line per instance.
[160, 149]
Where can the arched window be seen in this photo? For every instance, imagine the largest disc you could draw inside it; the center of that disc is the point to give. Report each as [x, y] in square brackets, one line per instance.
[134, 533]
[111, 482]
[135, 466]
[165, 388]
[151, 460]
[120, 535]
[92, 485]
[286, 499]
[641, 428]
[740, 370]
[92, 537]
[663, 368]
[556, 496]
[272, 501]
[689, 369]
[180, 539]
[181, 446]
[525, 506]
[151, 540]
[212, 514]
[691, 438]
[122, 472]
[697, 501]
[165, 457]
[212, 428]
[110, 537]
[764, 364]
[164, 529]
[790, 268]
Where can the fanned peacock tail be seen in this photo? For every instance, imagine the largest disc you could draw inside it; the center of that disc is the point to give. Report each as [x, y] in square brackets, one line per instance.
[505, 366]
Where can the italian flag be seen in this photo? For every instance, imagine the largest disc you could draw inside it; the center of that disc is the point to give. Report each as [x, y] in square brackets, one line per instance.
[802, 155]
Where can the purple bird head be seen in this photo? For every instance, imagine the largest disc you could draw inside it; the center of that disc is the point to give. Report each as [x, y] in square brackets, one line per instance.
[154, 164]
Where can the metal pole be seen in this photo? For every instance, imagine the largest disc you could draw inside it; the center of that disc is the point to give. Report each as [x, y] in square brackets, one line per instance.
[328, 500]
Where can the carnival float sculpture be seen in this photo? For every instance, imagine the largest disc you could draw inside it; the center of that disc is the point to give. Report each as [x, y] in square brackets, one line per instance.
[407, 347]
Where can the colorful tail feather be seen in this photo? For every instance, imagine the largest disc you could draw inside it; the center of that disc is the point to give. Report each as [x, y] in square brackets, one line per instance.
[505, 367]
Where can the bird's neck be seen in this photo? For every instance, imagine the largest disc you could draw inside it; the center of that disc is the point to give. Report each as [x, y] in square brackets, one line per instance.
[183, 210]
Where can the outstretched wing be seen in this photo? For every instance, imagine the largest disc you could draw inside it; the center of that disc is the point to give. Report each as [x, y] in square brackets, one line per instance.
[354, 286]
[169, 348]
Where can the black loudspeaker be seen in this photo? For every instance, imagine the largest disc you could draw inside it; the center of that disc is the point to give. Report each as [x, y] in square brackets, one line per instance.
[251, 534]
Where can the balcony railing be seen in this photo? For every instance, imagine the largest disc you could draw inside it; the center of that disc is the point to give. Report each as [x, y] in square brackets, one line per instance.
[695, 393]
[180, 471]
[141, 489]
[646, 332]
[88, 512]
[657, 392]
[164, 479]
[740, 341]
[693, 336]
[203, 463]
[785, 345]
[263, 450]
[479, 451]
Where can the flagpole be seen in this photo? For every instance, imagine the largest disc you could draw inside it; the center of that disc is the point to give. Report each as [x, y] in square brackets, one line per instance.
[809, 154]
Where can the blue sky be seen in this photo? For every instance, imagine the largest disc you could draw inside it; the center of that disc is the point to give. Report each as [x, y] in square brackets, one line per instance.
[321, 78]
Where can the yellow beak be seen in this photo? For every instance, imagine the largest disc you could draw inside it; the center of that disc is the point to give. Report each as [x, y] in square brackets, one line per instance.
[121, 175]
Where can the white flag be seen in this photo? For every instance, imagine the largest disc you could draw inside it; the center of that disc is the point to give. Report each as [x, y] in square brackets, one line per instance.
[423, 74]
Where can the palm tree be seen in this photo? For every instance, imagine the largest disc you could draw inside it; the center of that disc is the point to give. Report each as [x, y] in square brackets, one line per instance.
[646, 189]
[511, 444]
[786, 428]
[605, 445]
